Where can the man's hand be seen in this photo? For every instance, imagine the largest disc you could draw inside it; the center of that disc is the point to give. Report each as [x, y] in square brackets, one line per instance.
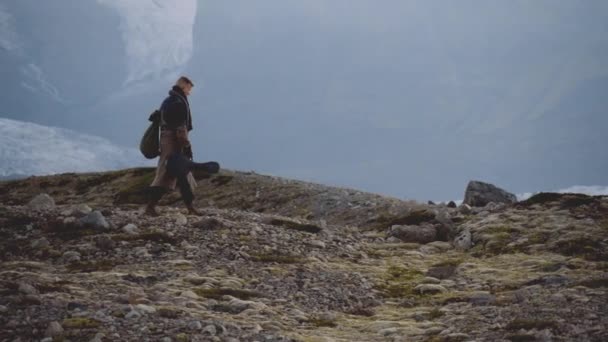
[188, 152]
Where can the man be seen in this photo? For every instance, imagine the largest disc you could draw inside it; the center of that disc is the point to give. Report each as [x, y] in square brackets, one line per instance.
[175, 123]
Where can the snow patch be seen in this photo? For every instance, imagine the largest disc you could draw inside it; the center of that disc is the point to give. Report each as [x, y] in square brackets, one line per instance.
[31, 149]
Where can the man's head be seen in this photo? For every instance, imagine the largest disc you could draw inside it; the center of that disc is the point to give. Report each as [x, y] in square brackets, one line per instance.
[185, 84]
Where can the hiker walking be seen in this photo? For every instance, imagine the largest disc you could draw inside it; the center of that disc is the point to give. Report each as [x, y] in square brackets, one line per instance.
[175, 123]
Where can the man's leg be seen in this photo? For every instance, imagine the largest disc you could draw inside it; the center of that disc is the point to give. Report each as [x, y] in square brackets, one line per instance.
[154, 194]
[186, 192]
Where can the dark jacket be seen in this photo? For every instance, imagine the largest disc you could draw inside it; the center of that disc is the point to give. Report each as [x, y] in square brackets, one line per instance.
[175, 110]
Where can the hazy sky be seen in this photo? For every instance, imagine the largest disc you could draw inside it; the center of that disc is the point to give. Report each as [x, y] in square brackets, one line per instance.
[407, 98]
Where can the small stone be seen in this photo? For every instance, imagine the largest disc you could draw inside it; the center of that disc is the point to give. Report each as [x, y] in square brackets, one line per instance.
[210, 329]
[54, 329]
[452, 204]
[42, 202]
[31, 299]
[40, 243]
[96, 220]
[482, 298]
[27, 289]
[133, 314]
[181, 219]
[46, 339]
[71, 256]
[465, 209]
[388, 331]
[3, 309]
[430, 289]
[142, 252]
[104, 242]
[189, 294]
[98, 338]
[166, 339]
[317, 243]
[195, 325]
[147, 309]
[430, 280]
[130, 229]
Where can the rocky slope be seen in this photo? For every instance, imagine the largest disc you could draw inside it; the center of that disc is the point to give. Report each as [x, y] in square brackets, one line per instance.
[273, 259]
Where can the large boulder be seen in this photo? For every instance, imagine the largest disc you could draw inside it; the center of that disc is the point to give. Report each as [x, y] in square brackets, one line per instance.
[419, 234]
[42, 202]
[478, 194]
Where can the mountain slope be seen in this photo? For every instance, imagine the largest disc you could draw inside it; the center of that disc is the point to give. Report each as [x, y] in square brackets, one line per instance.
[273, 259]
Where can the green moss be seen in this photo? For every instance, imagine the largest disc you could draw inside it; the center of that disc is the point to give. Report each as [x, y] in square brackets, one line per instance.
[541, 198]
[550, 266]
[571, 201]
[302, 227]
[595, 283]
[412, 218]
[80, 323]
[529, 324]
[219, 293]
[442, 271]
[282, 259]
[135, 191]
[85, 183]
[502, 229]
[91, 266]
[361, 311]
[182, 337]
[169, 312]
[435, 313]
[221, 180]
[399, 282]
[586, 247]
[321, 323]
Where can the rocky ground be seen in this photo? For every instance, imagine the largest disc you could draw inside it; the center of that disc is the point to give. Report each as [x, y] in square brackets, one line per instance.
[279, 260]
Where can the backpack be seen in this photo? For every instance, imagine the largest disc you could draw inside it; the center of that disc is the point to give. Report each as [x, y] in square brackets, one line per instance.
[150, 142]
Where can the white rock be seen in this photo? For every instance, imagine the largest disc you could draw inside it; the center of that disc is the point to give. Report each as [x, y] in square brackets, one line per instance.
[133, 314]
[147, 309]
[71, 256]
[430, 288]
[78, 210]
[195, 325]
[27, 289]
[317, 243]
[130, 229]
[463, 241]
[98, 338]
[189, 294]
[96, 220]
[180, 219]
[54, 329]
[465, 209]
[40, 243]
[210, 329]
[42, 202]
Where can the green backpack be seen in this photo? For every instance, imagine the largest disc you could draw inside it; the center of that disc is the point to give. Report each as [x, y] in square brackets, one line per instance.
[150, 142]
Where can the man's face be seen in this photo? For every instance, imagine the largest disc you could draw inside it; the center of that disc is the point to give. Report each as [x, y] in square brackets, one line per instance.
[187, 88]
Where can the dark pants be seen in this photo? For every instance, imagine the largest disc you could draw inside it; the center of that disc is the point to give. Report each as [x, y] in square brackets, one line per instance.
[179, 166]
